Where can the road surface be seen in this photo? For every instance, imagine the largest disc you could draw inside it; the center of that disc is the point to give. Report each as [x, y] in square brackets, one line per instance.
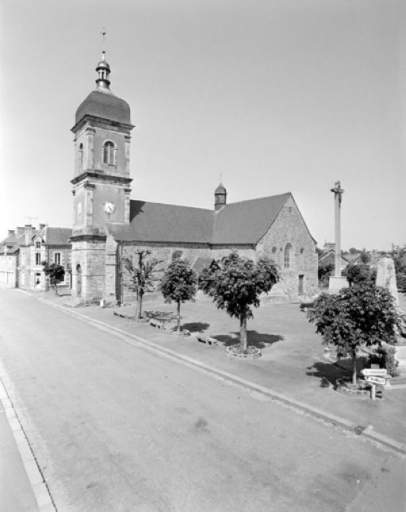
[116, 428]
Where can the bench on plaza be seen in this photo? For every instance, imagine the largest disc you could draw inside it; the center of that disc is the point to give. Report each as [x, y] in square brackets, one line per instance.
[208, 340]
[156, 323]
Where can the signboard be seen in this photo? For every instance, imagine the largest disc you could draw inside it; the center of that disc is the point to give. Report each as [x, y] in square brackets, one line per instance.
[375, 371]
[375, 380]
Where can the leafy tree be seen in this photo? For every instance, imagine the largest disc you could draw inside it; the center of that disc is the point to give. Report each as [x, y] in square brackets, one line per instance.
[353, 250]
[359, 273]
[235, 284]
[324, 271]
[365, 257]
[363, 315]
[179, 283]
[55, 272]
[142, 278]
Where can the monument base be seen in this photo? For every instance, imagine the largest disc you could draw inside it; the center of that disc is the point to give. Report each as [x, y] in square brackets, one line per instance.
[336, 283]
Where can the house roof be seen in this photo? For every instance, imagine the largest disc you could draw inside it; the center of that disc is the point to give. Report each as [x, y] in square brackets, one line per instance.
[242, 223]
[55, 236]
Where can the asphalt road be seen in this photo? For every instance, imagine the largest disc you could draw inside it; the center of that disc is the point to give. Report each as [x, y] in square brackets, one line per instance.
[116, 428]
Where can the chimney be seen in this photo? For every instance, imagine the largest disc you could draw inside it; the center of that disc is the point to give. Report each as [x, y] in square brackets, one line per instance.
[11, 232]
[28, 234]
[20, 230]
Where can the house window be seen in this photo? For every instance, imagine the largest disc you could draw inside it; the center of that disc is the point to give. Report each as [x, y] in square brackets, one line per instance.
[109, 153]
[38, 258]
[287, 256]
[38, 244]
[57, 258]
[80, 156]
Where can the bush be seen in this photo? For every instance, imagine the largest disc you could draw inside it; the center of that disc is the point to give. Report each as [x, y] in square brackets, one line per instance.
[385, 357]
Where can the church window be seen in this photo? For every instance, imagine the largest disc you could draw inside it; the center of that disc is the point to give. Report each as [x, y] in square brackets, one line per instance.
[109, 153]
[287, 256]
[80, 156]
[57, 258]
[38, 258]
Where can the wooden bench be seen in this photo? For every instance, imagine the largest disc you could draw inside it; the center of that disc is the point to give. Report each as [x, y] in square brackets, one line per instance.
[156, 323]
[208, 340]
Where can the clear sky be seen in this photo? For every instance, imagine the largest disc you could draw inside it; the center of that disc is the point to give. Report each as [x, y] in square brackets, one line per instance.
[273, 95]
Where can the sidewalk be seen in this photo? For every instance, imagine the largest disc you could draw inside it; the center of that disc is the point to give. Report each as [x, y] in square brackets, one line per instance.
[291, 369]
[16, 492]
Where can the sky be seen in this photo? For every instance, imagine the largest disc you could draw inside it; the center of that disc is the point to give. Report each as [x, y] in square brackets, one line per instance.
[268, 96]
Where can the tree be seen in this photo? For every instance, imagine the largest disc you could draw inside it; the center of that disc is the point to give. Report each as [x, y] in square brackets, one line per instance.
[141, 274]
[235, 284]
[359, 273]
[365, 257]
[363, 315]
[55, 272]
[179, 283]
[324, 271]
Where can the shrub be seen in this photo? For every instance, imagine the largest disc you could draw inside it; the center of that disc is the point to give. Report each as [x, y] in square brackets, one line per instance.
[385, 357]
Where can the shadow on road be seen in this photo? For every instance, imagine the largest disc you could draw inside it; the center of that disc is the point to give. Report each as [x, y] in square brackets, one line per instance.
[255, 339]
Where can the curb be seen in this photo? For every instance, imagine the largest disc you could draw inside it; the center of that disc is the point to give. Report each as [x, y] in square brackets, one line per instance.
[35, 476]
[140, 342]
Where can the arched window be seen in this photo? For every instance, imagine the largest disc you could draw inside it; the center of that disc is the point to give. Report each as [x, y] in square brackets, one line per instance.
[287, 256]
[109, 153]
[80, 156]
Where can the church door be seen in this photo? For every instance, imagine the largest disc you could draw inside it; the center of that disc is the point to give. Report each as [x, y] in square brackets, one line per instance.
[301, 286]
[78, 280]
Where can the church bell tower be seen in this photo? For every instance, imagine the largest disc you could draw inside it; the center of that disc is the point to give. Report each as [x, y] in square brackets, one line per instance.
[101, 183]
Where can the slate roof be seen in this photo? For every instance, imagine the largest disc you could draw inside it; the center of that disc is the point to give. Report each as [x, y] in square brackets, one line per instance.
[106, 105]
[156, 222]
[55, 236]
[243, 223]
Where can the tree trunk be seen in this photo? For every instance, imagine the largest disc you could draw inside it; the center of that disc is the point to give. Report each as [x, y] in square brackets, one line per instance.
[138, 314]
[56, 289]
[354, 370]
[243, 333]
[178, 326]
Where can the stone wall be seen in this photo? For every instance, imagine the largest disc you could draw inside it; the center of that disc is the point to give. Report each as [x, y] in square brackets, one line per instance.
[8, 270]
[290, 228]
[197, 255]
[88, 270]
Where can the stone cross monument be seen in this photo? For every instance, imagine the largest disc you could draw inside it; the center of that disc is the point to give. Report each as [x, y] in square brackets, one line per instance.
[337, 281]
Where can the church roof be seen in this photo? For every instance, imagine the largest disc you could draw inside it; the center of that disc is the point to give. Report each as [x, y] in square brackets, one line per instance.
[242, 223]
[246, 222]
[156, 222]
[104, 104]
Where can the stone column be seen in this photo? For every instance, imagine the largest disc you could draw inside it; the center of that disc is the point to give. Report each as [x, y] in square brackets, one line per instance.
[337, 282]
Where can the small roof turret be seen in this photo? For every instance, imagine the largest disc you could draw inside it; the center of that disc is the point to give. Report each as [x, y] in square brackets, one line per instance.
[220, 197]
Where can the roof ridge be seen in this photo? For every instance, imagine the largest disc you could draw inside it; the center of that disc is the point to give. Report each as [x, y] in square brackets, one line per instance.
[172, 205]
[260, 198]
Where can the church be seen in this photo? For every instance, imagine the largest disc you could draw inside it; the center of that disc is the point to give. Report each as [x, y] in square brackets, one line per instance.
[110, 226]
